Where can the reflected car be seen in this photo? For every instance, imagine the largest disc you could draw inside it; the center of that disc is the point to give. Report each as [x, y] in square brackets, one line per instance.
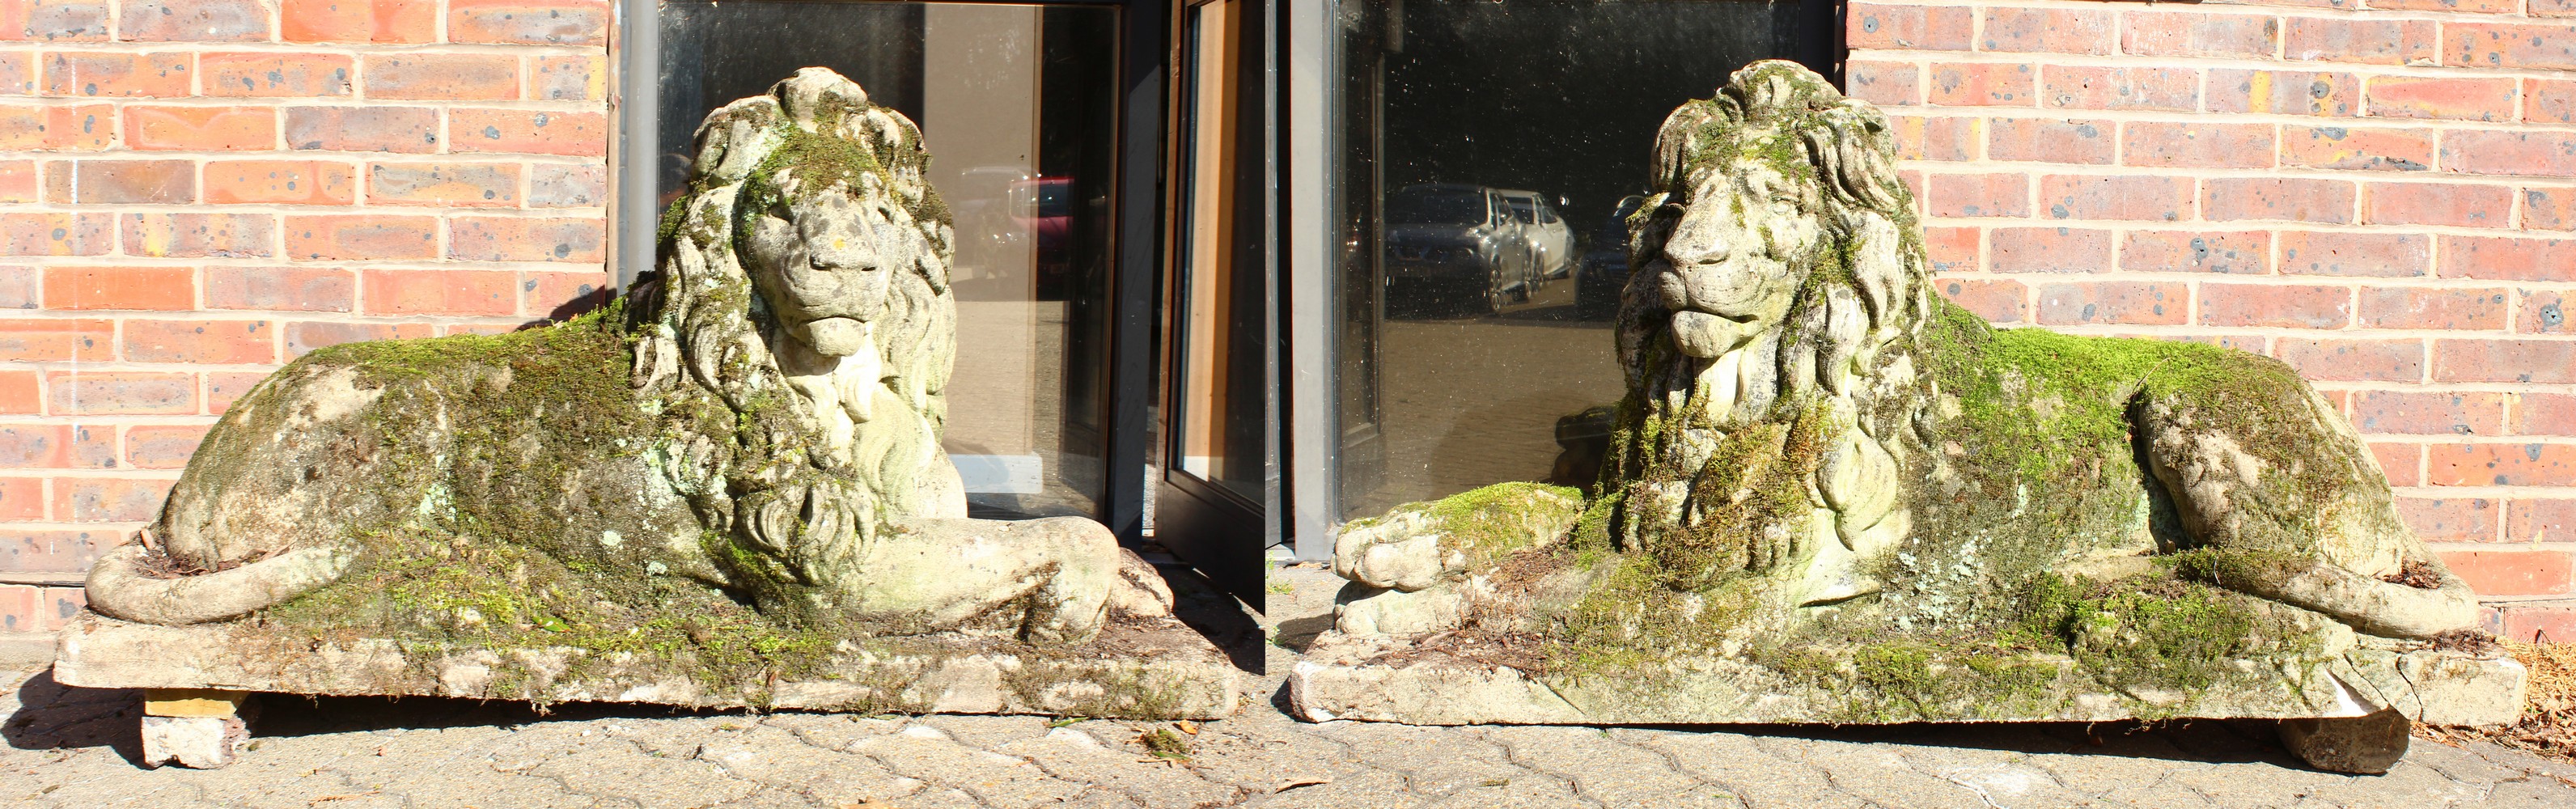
[1044, 206]
[1605, 267]
[1460, 239]
[1549, 237]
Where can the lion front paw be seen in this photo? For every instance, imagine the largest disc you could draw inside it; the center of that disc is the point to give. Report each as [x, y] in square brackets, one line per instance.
[1364, 611]
[1419, 545]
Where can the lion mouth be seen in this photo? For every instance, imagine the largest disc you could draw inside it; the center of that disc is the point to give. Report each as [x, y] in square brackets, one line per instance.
[1707, 335]
[836, 336]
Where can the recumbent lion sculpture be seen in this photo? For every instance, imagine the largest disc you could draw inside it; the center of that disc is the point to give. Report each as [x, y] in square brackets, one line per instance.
[1825, 469]
[760, 419]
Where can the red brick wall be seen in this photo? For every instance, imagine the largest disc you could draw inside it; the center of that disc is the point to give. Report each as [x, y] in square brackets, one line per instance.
[193, 192]
[2379, 192]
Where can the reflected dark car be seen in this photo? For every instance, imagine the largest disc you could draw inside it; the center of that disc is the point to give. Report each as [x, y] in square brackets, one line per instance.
[1605, 266]
[1460, 241]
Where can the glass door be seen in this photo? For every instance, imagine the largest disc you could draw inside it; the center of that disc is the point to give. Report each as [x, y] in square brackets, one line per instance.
[1219, 475]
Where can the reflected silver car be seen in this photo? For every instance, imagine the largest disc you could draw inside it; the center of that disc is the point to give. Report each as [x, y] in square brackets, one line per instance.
[1549, 238]
[1463, 239]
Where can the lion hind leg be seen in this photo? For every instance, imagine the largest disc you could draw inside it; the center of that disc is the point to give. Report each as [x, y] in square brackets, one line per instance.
[2289, 508]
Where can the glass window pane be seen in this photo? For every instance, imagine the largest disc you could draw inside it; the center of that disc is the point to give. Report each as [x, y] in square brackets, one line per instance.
[1018, 105]
[1484, 154]
[1223, 383]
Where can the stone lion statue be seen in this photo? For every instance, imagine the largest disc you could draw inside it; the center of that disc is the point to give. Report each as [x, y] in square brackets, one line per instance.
[762, 417]
[1810, 435]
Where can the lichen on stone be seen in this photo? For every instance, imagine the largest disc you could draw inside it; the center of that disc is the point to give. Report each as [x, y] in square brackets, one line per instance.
[1881, 501]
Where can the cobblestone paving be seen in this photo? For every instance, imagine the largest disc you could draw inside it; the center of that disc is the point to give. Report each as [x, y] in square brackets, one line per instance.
[73, 747]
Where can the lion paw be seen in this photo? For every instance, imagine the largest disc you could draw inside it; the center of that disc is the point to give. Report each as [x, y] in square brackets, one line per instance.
[1365, 611]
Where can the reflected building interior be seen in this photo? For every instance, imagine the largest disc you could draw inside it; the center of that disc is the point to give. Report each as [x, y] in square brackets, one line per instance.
[1457, 343]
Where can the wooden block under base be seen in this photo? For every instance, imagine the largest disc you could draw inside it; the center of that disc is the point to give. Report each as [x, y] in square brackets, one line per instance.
[192, 702]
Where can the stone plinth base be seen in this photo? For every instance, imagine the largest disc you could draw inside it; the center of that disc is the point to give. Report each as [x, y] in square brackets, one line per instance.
[1391, 680]
[1158, 669]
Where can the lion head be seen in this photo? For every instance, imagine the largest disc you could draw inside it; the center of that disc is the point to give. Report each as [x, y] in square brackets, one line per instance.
[1777, 258]
[804, 280]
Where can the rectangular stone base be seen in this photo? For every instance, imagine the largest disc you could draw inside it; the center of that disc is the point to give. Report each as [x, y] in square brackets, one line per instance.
[1139, 670]
[1390, 680]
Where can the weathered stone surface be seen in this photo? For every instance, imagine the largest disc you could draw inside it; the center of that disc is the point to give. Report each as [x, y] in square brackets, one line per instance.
[1398, 681]
[2360, 744]
[1136, 669]
[726, 489]
[201, 742]
[69, 748]
[1829, 495]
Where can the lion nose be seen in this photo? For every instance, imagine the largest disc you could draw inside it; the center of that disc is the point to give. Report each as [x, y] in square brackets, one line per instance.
[845, 255]
[1696, 242]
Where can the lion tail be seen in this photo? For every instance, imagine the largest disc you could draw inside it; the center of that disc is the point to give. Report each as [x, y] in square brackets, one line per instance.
[119, 587]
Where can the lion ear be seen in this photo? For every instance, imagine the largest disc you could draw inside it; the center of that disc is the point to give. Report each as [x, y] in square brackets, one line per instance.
[734, 140]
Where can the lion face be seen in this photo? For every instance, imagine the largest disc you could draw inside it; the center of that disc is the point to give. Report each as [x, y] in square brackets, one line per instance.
[822, 262]
[1729, 269]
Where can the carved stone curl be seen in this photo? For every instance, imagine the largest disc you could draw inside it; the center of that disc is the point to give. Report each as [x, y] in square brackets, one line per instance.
[742, 454]
[1855, 501]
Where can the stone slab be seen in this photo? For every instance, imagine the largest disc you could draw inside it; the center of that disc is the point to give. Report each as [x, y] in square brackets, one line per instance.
[1389, 680]
[1138, 669]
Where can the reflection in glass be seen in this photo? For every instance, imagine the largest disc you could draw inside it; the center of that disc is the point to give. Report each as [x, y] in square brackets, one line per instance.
[1220, 362]
[1486, 153]
[1018, 106]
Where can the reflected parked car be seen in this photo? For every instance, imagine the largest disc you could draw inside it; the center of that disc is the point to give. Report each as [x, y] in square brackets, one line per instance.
[1044, 206]
[1605, 266]
[1549, 238]
[1462, 240]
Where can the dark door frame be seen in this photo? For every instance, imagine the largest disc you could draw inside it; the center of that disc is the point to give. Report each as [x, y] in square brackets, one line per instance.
[1223, 533]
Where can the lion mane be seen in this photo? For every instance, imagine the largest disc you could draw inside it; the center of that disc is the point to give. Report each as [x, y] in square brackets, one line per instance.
[856, 443]
[1866, 287]
[1849, 300]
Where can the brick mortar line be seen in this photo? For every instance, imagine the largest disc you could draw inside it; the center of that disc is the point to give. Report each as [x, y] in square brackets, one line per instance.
[2206, 63]
[2196, 116]
[20, 420]
[290, 210]
[2421, 440]
[129, 154]
[284, 48]
[2423, 282]
[237, 315]
[2281, 279]
[2410, 229]
[321, 102]
[2126, 7]
[2190, 330]
[2038, 170]
[2438, 388]
[2428, 439]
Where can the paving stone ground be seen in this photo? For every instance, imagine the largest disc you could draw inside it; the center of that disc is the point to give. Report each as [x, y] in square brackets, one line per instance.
[75, 747]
